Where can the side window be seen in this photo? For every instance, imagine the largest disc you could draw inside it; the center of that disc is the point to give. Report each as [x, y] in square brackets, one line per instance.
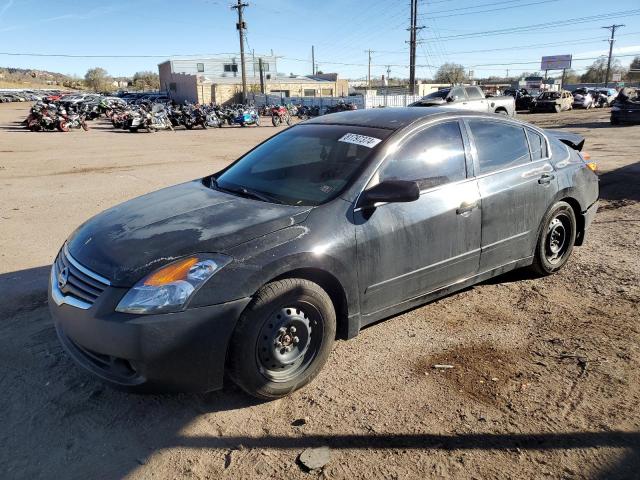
[499, 145]
[431, 157]
[200, 67]
[538, 145]
[473, 93]
[457, 92]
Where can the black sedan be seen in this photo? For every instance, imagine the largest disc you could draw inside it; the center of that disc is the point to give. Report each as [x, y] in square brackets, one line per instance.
[327, 227]
[626, 107]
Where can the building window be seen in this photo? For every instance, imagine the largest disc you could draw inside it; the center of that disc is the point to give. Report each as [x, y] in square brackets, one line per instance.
[309, 92]
[172, 86]
[230, 67]
[328, 92]
[200, 67]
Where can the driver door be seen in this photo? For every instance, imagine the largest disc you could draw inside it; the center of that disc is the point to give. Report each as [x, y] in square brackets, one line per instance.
[405, 250]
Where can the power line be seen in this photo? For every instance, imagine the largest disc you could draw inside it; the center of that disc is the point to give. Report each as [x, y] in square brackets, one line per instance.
[491, 9]
[558, 23]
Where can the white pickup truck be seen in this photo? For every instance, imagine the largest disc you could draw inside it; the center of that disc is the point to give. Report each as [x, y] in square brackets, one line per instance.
[468, 98]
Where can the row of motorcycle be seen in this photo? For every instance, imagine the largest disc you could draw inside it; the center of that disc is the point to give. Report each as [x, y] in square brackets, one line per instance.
[151, 117]
[50, 116]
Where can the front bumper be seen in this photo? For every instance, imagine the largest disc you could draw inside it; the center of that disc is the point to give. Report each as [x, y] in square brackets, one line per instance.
[626, 115]
[183, 351]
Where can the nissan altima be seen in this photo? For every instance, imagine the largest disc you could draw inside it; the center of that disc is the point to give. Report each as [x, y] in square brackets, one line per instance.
[253, 272]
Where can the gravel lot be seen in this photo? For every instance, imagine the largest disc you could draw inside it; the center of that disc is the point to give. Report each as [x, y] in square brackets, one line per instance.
[545, 384]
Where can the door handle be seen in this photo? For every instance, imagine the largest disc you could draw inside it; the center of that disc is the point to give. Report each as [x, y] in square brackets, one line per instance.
[466, 207]
[546, 178]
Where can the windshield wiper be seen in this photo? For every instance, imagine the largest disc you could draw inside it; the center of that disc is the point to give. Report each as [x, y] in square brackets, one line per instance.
[246, 192]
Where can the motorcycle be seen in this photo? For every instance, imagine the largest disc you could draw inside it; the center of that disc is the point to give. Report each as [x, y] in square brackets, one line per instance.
[152, 121]
[72, 119]
[247, 117]
[304, 112]
[280, 115]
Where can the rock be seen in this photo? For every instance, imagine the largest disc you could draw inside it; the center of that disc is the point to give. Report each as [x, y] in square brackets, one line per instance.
[299, 422]
[314, 458]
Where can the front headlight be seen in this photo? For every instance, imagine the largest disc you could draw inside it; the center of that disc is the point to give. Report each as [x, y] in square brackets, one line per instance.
[169, 288]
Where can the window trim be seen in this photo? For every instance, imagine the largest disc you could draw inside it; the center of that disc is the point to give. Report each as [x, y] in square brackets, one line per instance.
[198, 64]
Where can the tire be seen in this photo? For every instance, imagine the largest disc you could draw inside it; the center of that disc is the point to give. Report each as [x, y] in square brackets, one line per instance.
[501, 111]
[288, 120]
[556, 240]
[204, 125]
[133, 129]
[288, 311]
[275, 120]
[85, 127]
[615, 121]
[557, 108]
[62, 126]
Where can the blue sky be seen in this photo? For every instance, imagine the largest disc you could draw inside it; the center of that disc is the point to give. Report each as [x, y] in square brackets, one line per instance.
[461, 31]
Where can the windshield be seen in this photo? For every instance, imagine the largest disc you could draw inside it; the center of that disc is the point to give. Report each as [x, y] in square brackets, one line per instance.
[549, 95]
[304, 165]
[438, 94]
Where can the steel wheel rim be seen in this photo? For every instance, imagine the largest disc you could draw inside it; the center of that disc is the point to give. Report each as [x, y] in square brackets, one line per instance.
[557, 239]
[289, 341]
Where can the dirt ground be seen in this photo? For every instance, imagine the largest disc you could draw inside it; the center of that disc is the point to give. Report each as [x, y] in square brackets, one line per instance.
[546, 378]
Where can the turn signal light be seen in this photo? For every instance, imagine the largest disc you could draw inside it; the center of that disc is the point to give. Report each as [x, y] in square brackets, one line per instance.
[171, 273]
[592, 166]
[585, 156]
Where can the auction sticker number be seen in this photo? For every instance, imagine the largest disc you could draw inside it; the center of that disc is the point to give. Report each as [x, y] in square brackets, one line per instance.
[363, 140]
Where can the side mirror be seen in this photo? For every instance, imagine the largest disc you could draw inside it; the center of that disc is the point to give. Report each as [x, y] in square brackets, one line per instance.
[390, 191]
[452, 99]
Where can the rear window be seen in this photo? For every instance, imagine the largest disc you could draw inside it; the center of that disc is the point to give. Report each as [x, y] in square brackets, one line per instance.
[499, 145]
[473, 93]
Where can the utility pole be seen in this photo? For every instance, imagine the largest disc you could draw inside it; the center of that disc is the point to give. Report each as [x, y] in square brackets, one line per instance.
[262, 89]
[611, 40]
[241, 27]
[313, 60]
[412, 46]
[369, 71]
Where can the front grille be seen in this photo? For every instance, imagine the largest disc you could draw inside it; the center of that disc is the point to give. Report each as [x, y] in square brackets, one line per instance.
[77, 281]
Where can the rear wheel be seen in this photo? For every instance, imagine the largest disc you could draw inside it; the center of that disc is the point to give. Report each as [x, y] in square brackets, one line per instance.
[282, 339]
[275, 120]
[62, 126]
[556, 240]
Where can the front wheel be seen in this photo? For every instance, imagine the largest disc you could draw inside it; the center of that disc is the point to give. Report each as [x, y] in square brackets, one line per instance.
[275, 120]
[283, 338]
[556, 240]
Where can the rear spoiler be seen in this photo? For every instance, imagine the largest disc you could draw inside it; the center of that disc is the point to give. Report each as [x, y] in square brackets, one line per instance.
[572, 140]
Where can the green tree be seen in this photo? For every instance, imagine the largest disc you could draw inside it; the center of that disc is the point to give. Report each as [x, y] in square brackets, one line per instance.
[97, 79]
[146, 80]
[451, 73]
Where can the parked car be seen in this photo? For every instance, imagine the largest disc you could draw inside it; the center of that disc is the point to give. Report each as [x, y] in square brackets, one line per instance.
[626, 107]
[522, 95]
[583, 98]
[552, 102]
[606, 96]
[468, 98]
[331, 225]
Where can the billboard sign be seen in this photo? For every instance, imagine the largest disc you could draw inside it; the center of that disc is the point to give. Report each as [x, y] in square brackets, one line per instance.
[556, 62]
[617, 77]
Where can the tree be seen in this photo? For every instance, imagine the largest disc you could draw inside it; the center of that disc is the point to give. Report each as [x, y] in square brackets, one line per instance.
[570, 76]
[598, 70]
[146, 80]
[96, 78]
[634, 70]
[451, 73]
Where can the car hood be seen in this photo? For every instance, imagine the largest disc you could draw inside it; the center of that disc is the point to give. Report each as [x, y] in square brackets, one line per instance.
[134, 238]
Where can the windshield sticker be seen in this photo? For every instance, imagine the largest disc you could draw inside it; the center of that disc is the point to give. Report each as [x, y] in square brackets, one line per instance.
[363, 140]
[326, 188]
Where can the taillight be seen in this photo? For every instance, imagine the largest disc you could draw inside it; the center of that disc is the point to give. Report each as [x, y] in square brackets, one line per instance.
[593, 166]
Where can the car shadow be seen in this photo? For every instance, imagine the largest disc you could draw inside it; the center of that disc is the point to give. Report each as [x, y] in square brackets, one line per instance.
[586, 125]
[621, 184]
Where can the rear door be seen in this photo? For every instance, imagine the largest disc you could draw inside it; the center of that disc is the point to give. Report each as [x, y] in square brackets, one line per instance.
[408, 249]
[517, 185]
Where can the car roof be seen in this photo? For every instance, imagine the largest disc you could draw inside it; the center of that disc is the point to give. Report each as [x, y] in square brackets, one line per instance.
[389, 118]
